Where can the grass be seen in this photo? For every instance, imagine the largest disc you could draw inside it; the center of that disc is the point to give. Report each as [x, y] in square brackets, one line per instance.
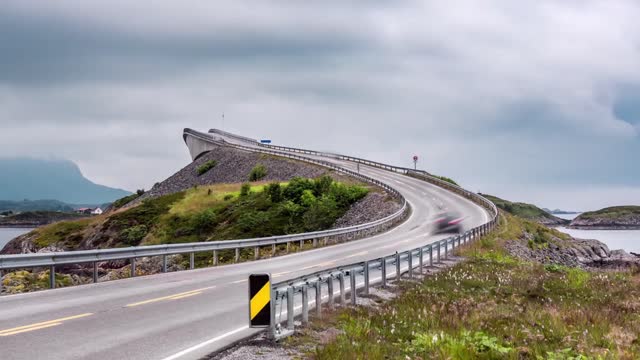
[66, 234]
[494, 306]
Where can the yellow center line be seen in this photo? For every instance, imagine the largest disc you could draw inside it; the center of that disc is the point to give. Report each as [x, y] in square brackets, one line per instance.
[169, 297]
[40, 325]
[185, 296]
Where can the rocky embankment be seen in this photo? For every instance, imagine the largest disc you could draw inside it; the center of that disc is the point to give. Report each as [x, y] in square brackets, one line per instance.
[612, 218]
[232, 166]
[573, 252]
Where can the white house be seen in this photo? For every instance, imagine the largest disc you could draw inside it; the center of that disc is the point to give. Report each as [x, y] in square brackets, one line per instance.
[97, 211]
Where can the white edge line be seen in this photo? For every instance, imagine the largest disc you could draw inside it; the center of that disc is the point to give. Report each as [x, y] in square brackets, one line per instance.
[208, 342]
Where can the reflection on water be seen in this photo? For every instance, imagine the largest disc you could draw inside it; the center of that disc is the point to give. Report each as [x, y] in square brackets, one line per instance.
[7, 234]
[628, 240]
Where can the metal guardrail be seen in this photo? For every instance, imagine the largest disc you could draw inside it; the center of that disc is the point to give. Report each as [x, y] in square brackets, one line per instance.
[54, 259]
[287, 293]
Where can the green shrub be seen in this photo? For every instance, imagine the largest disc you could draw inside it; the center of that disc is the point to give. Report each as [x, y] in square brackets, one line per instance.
[133, 236]
[228, 197]
[204, 221]
[257, 173]
[206, 167]
[274, 190]
[127, 199]
[245, 190]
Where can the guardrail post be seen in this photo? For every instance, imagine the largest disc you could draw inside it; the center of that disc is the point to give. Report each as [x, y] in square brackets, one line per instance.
[421, 260]
[439, 246]
[95, 272]
[1, 282]
[52, 276]
[410, 261]
[319, 298]
[446, 248]
[237, 258]
[192, 261]
[273, 249]
[215, 257]
[301, 245]
[383, 271]
[164, 263]
[330, 292]
[305, 304]
[256, 253]
[398, 274]
[453, 244]
[290, 324]
[288, 244]
[133, 267]
[341, 283]
[352, 286]
[366, 278]
[315, 242]
[430, 255]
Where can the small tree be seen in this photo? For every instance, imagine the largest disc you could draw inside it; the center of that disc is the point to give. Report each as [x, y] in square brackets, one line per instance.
[245, 190]
[257, 173]
[274, 190]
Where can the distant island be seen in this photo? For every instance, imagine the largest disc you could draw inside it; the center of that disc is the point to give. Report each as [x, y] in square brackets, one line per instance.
[561, 212]
[62, 180]
[37, 218]
[611, 218]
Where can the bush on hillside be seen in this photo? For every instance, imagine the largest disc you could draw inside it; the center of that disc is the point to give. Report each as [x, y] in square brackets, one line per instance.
[257, 173]
[202, 169]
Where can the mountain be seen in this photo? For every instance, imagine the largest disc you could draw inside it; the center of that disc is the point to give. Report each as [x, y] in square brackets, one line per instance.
[560, 212]
[24, 178]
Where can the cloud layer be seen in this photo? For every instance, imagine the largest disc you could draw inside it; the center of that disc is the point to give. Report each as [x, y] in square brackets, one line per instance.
[521, 100]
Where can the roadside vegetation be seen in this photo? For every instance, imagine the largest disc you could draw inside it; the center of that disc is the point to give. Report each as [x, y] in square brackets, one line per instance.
[447, 179]
[494, 306]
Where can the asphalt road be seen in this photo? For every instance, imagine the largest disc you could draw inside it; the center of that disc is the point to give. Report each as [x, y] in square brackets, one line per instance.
[188, 314]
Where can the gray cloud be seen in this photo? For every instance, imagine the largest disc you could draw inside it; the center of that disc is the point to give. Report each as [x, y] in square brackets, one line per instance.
[522, 100]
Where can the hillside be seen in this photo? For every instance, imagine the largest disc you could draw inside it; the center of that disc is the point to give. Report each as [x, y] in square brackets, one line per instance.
[616, 217]
[61, 180]
[526, 211]
[34, 205]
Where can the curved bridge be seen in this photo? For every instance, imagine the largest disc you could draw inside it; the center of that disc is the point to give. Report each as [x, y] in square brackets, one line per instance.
[188, 314]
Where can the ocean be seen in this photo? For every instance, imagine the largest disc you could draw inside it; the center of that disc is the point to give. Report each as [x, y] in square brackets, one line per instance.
[627, 240]
[7, 234]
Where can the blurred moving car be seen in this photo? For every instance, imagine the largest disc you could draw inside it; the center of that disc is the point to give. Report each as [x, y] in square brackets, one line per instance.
[448, 222]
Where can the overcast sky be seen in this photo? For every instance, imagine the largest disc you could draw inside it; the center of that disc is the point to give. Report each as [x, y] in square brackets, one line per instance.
[536, 101]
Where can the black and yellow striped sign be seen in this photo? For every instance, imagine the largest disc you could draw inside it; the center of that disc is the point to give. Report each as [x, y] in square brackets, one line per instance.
[259, 300]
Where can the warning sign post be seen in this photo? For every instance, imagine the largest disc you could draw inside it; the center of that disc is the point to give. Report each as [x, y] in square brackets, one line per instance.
[260, 302]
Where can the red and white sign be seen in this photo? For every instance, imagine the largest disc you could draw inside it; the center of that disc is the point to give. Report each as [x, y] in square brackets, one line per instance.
[415, 158]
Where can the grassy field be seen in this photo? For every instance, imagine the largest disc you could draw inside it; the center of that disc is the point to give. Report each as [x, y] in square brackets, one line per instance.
[493, 306]
[523, 210]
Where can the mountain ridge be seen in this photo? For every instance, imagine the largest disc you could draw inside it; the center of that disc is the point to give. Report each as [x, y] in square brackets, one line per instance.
[62, 180]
